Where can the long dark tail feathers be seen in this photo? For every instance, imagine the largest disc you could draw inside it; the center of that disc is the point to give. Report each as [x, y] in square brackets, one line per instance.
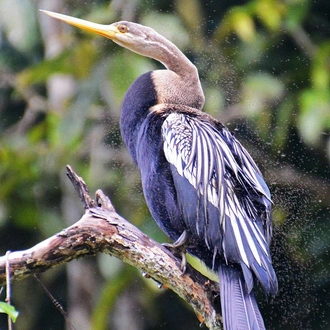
[239, 307]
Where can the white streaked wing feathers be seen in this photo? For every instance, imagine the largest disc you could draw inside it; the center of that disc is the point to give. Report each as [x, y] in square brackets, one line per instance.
[200, 154]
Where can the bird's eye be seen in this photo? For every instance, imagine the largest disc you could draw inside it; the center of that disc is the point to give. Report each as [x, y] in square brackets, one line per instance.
[122, 28]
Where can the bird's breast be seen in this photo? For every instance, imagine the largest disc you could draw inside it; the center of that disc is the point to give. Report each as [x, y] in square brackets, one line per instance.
[139, 98]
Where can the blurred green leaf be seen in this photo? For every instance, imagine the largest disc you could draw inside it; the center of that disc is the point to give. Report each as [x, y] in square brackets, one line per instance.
[279, 216]
[238, 20]
[321, 67]
[83, 56]
[283, 120]
[270, 12]
[242, 24]
[9, 310]
[314, 114]
[192, 14]
[260, 90]
[110, 292]
[296, 12]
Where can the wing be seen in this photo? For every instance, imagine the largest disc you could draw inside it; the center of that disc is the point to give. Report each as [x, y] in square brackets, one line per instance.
[221, 192]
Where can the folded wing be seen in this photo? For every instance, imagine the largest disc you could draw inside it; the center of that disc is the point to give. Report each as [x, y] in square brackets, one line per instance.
[224, 199]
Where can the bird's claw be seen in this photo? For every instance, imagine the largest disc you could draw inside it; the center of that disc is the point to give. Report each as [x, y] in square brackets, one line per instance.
[179, 248]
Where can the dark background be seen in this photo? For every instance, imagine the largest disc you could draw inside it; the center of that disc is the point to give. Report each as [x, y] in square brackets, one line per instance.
[265, 70]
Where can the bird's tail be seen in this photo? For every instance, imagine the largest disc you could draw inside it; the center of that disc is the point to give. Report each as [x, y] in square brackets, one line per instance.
[239, 307]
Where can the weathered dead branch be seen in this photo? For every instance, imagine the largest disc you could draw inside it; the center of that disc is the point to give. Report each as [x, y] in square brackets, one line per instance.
[101, 229]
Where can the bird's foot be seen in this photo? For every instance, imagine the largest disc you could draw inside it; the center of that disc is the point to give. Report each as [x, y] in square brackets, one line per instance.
[179, 247]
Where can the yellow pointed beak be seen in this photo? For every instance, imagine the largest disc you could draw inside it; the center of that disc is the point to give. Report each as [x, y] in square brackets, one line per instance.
[108, 31]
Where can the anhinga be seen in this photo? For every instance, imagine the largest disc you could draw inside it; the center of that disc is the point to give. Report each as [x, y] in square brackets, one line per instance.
[202, 187]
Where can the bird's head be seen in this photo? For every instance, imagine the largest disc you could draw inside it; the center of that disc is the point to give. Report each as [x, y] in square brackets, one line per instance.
[147, 42]
[135, 37]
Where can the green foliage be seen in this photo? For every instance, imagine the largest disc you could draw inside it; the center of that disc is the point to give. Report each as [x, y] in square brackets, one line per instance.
[9, 310]
[83, 55]
[108, 298]
[315, 101]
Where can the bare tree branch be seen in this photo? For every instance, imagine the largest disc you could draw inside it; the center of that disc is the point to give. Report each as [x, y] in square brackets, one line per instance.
[101, 229]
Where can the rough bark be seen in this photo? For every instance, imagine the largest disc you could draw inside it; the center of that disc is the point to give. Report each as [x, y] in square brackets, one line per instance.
[101, 229]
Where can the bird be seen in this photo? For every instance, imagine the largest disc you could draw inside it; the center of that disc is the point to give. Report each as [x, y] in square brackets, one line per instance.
[201, 185]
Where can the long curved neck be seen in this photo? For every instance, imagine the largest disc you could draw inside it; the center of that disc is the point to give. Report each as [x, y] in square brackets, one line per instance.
[172, 58]
[178, 84]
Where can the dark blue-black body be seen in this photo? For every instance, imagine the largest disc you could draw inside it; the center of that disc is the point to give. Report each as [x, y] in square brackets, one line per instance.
[197, 178]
